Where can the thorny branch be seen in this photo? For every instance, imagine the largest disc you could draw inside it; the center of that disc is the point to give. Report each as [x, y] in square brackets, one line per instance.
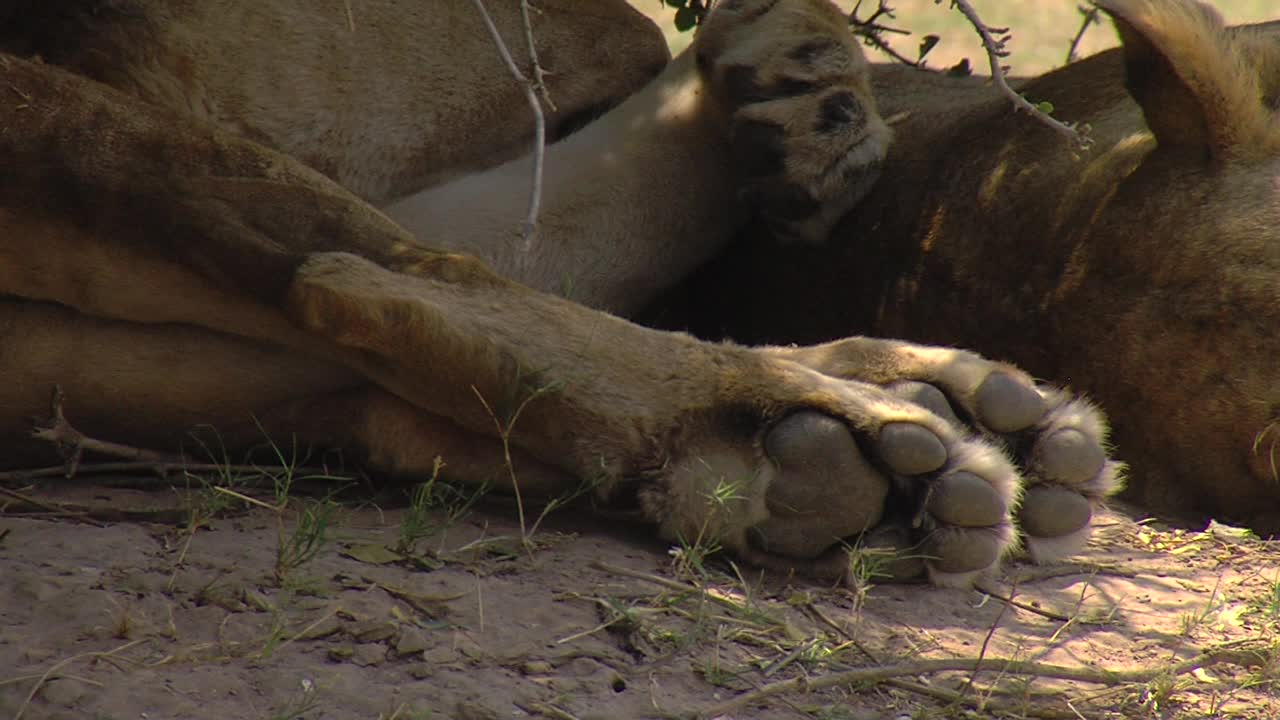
[993, 41]
[870, 30]
[532, 88]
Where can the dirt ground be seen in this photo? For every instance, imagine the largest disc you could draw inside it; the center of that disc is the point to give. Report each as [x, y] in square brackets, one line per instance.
[115, 605]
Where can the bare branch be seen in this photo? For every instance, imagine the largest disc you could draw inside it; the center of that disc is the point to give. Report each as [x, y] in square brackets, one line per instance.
[72, 444]
[1090, 18]
[993, 41]
[871, 30]
[531, 89]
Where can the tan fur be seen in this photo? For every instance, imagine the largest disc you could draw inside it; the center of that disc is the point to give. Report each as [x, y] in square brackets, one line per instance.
[1145, 274]
[338, 84]
[169, 262]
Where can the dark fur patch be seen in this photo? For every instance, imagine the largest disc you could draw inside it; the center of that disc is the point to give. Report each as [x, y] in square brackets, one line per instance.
[759, 147]
[741, 85]
[748, 15]
[839, 110]
[788, 202]
[809, 52]
[790, 87]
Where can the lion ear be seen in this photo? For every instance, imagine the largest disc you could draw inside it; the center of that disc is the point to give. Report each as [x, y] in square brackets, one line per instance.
[1198, 83]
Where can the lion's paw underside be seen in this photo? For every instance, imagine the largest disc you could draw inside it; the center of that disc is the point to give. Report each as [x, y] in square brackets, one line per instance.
[988, 463]
[803, 129]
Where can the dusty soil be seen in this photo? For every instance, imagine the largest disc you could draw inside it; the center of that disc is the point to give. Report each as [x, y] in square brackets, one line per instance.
[125, 611]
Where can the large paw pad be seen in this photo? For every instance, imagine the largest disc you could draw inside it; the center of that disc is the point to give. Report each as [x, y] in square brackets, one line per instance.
[950, 497]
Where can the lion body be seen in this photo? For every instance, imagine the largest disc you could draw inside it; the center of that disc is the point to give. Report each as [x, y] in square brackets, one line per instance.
[170, 264]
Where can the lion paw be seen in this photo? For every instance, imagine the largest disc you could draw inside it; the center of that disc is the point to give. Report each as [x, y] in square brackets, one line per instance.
[945, 502]
[796, 466]
[803, 128]
[1056, 441]
[939, 460]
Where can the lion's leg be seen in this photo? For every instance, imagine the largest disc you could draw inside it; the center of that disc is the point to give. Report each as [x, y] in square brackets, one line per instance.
[774, 460]
[161, 387]
[142, 384]
[1057, 440]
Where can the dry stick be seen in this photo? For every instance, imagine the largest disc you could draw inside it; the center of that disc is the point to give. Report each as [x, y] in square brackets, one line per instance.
[44, 677]
[995, 51]
[664, 582]
[1090, 18]
[986, 642]
[870, 30]
[943, 694]
[1009, 600]
[952, 696]
[162, 468]
[539, 120]
[992, 706]
[351, 18]
[72, 444]
[54, 510]
[1231, 654]
[539, 74]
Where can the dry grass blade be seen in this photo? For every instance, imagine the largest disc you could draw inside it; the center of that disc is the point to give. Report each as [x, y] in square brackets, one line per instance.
[54, 668]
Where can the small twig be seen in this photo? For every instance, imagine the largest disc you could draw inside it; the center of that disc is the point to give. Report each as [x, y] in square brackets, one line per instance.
[72, 444]
[54, 510]
[539, 73]
[531, 88]
[668, 583]
[987, 705]
[995, 47]
[162, 468]
[1231, 654]
[547, 710]
[44, 677]
[1010, 600]
[950, 696]
[871, 31]
[986, 642]
[351, 18]
[1090, 18]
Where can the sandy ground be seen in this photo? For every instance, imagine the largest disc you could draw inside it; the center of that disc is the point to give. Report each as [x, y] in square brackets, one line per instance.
[126, 612]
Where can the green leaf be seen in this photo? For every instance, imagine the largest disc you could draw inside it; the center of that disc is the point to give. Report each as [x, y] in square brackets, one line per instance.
[686, 18]
[1045, 107]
